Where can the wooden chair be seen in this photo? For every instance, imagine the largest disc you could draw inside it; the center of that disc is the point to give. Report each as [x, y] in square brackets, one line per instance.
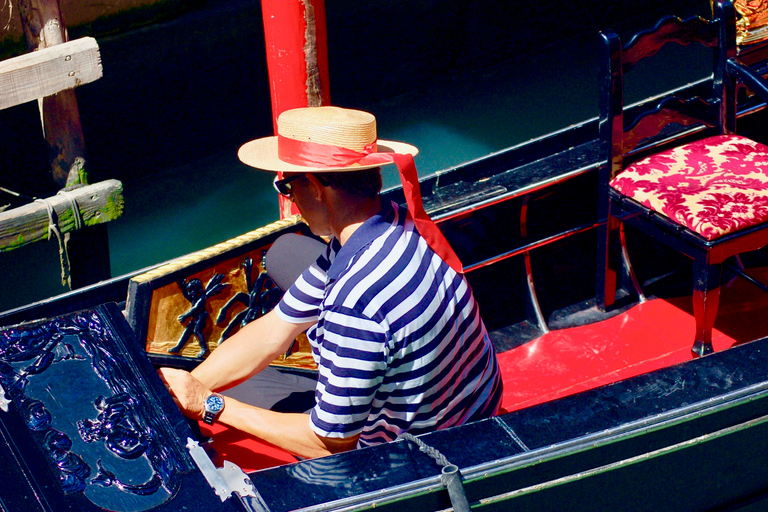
[693, 184]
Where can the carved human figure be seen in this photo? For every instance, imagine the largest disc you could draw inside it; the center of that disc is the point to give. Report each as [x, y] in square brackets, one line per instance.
[262, 296]
[198, 297]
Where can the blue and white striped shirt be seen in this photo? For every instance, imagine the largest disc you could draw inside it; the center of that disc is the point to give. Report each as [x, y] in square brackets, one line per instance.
[398, 338]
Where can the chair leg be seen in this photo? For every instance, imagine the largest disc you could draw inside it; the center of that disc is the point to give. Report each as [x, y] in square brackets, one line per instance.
[629, 269]
[608, 261]
[706, 299]
[738, 269]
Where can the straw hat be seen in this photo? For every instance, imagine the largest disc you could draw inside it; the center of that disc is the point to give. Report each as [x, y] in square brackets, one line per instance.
[329, 126]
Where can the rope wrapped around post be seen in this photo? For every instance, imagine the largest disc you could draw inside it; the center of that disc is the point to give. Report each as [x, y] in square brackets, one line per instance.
[73, 209]
[53, 227]
[450, 475]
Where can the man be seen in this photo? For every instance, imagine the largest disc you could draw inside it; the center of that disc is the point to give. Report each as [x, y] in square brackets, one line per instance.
[394, 329]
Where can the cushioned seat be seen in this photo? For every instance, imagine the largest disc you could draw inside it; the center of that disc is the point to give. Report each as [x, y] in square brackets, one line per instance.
[713, 186]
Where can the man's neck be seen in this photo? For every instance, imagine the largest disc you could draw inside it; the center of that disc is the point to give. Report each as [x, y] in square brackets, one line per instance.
[349, 217]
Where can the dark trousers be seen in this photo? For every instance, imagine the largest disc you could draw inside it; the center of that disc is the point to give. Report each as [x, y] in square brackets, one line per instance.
[280, 390]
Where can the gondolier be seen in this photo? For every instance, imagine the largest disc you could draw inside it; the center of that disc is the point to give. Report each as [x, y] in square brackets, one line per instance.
[394, 328]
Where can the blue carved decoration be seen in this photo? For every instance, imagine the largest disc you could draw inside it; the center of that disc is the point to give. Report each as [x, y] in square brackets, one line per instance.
[119, 425]
[91, 413]
[106, 478]
[263, 295]
[37, 417]
[197, 296]
[73, 469]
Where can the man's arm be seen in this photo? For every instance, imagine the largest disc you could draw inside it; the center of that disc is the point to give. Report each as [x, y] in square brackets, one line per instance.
[290, 431]
[241, 356]
[248, 352]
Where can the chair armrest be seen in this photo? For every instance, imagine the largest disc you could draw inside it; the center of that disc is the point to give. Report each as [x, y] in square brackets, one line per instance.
[749, 76]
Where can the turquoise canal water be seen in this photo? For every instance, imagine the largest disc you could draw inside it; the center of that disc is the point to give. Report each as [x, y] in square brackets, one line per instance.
[451, 122]
[190, 196]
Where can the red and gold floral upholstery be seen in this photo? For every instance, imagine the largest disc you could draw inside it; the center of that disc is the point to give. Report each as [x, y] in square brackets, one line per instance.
[713, 186]
[752, 25]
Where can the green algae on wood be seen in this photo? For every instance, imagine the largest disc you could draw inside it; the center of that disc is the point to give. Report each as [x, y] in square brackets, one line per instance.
[97, 204]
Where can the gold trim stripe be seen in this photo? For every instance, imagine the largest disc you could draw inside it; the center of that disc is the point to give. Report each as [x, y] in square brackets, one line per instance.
[215, 250]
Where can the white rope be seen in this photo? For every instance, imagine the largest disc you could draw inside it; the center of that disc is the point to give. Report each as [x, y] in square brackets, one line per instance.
[53, 227]
[74, 207]
[424, 447]
[450, 475]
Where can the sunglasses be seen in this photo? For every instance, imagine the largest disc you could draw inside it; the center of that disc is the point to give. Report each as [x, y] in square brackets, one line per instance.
[283, 186]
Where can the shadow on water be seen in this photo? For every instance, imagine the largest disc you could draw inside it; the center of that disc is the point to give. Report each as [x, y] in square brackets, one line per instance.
[167, 119]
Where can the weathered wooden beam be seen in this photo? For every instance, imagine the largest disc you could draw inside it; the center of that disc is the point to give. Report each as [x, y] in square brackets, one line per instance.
[97, 203]
[84, 254]
[48, 71]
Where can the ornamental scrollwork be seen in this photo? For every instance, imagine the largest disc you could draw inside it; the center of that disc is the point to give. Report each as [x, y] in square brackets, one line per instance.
[48, 372]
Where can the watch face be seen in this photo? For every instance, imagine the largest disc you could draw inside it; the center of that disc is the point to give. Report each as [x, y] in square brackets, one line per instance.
[214, 403]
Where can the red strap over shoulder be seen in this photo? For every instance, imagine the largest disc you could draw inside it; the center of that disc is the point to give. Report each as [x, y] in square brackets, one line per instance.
[321, 155]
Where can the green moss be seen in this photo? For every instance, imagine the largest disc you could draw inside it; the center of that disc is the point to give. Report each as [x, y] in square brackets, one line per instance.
[115, 205]
[82, 176]
[19, 242]
[67, 217]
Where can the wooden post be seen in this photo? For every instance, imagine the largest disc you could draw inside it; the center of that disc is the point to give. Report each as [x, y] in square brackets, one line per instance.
[89, 249]
[297, 59]
[96, 204]
[43, 28]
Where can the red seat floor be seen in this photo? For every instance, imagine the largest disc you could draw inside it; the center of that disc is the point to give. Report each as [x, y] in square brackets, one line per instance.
[649, 336]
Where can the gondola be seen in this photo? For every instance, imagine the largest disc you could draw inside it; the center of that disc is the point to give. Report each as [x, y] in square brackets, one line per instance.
[612, 401]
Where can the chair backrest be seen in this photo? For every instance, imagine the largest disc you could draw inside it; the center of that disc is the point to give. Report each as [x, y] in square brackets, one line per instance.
[632, 131]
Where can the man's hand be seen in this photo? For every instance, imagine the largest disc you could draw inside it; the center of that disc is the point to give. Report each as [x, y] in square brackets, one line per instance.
[188, 392]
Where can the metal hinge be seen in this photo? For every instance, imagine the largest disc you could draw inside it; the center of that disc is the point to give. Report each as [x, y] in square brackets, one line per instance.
[4, 402]
[226, 480]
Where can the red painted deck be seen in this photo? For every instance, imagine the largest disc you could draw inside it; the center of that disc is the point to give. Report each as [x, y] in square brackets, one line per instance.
[652, 335]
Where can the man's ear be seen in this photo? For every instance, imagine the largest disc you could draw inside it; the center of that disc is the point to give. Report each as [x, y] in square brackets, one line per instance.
[318, 189]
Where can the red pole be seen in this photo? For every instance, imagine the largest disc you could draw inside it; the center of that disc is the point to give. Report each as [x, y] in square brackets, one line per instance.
[297, 59]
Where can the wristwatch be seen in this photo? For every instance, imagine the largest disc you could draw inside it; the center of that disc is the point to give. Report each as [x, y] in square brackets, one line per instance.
[214, 404]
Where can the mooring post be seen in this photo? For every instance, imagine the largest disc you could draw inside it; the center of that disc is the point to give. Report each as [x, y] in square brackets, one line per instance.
[297, 60]
[43, 28]
[88, 250]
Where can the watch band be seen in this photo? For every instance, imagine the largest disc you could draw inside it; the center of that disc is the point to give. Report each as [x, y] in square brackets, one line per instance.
[212, 407]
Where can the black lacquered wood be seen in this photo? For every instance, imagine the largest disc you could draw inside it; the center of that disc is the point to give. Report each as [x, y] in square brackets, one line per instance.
[86, 424]
[529, 456]
[668, 30]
